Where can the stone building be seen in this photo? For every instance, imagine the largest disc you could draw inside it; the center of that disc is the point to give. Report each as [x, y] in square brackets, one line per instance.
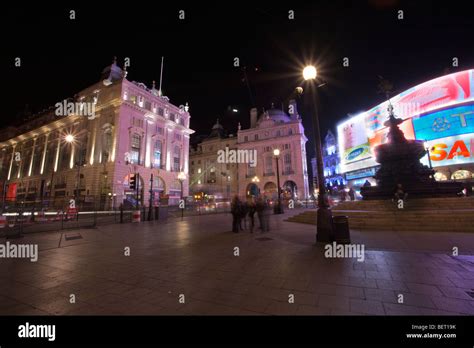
[207, 175]
[331, 162]
[89, 146]
[274, 129]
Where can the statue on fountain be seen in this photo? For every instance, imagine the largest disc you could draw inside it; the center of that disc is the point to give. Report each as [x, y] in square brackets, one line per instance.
[400, 164]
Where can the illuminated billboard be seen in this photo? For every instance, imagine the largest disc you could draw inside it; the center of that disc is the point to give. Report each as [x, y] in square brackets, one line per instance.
[444, 123]
[451, 150]
[437, 109]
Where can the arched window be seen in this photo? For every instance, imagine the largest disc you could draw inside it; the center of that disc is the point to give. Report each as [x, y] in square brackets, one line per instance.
[106, 144]
[287, 162]
[176, 159]
[250, 170]
[461, 175]
[135, 148]
[268, 165]
[157, 154]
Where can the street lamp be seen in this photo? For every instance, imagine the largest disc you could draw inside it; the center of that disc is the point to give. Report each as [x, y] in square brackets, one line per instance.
[427, 148]
[278, 208]
[181, 178]
[324, 226]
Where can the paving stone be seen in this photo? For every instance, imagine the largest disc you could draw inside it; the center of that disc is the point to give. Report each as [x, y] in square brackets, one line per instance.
[202, 267]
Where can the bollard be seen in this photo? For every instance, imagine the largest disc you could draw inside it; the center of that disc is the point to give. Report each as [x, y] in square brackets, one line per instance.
[136, 216]
[341, 230]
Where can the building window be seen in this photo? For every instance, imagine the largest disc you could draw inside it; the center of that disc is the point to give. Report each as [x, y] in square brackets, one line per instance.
[278, 133]
[268, 165]
[50, 156]
[159, 130]
[107, 148]
[192, 163]
[157, 154]
[250, 171]
[64, 156]
[256, 137]
[290, 131]
[212, 176]
[177, 137]
[176, 159]
[160, 111]
[246, 138]
[287, 162]
[135, 148]
[199, 170]
[287, 146]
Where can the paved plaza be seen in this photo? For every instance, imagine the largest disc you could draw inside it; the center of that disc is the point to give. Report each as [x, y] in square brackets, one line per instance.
[198, 267]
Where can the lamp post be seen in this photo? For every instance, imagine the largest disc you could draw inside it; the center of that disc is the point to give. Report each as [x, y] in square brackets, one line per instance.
[71, 139]
[324, 225]
[150, 204]
[427, 148]
[278, 208]
[181, 178]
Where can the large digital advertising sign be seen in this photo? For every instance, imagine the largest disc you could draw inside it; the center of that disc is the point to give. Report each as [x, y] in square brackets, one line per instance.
[451, 150]
[437, 109]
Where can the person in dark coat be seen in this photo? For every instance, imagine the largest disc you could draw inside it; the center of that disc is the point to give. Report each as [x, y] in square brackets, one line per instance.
[399, 193]
[235, 209]
[251, 207]
[260, 207]
[351, 194]
[243, 215]
[266, 216]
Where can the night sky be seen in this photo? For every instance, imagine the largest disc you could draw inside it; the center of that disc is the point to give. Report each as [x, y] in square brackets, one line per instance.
[62, 56]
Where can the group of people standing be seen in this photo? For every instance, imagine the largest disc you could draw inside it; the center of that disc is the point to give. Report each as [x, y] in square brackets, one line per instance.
[240, 210]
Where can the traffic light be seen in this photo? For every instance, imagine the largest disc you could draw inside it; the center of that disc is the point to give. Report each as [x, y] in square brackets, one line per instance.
[133, 182]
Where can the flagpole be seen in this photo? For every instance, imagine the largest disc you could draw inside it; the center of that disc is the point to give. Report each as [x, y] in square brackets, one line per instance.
[161, 76]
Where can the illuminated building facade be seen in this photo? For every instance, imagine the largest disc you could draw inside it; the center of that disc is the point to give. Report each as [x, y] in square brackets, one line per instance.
[331, 159]
[207, 175]
[68, 152]
[274, 129]
[439, 112]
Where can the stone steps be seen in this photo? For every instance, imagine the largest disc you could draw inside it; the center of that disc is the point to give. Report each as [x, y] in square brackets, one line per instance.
[415, 204]
[443, 215]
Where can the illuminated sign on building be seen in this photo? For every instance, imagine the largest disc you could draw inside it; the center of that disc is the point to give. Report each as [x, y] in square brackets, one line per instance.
[441, 124]
[451, 150]
[361, 173]
[431, 111]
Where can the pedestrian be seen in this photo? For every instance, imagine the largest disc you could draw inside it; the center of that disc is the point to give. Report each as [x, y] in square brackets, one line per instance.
[342, 195]
[367, 183]
[260, 207]
[351, 194]
[266, 216]
[243, 215]
[399, 193]
[235, 211]
[251, 212]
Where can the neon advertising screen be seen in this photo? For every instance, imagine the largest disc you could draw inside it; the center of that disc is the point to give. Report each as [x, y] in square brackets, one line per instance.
[437, 109]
